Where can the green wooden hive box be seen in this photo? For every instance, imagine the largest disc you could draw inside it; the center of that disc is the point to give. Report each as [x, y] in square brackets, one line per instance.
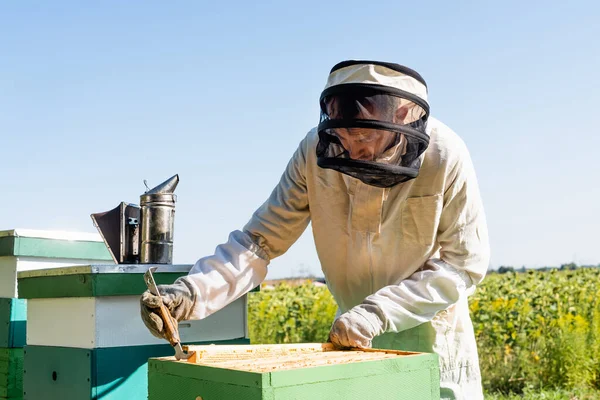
[296, 371]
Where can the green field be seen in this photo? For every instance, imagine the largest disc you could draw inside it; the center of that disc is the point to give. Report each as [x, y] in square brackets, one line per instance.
[538, 332]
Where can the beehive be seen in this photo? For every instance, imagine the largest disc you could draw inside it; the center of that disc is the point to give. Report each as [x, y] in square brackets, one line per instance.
[25, 250]
[85, 336]
[301, 372]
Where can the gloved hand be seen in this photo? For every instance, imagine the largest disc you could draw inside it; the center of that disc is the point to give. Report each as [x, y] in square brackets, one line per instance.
[178, 298]
[357, 327]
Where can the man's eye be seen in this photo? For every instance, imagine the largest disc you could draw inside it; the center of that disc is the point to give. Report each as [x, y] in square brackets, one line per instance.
[366, 139]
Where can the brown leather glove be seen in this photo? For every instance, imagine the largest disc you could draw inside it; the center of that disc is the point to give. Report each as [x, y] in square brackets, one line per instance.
[179, 299]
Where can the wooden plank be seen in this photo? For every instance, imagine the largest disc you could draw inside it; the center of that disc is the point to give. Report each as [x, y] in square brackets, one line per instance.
[266, 358]
[102, 269]
[169, 366]
[57, 373]
[274, 364]
[8, 277]
[11, 373]
[408, 385]
[273, 350]
[89, 285]
[62, 322]
[11, 267]
[254, 350]
[97, 322]
[7, 246]
[129, 284]
[79, 374]
[13, 322]
[167, 386]
[55, 235]
[396, 365]
[31, 264]
[95, 280]
[60, 286]
[119, 324]
[53, 248]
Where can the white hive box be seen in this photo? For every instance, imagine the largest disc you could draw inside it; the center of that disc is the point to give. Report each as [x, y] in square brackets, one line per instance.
[25, 249]
[98, 306]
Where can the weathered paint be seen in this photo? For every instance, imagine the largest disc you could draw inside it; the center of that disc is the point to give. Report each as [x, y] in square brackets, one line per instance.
[79, 374]
[94, 322]
[11, 373]
[411, 377]
[13, 322]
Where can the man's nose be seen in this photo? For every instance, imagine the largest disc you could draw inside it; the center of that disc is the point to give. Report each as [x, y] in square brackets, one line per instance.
[361, 152]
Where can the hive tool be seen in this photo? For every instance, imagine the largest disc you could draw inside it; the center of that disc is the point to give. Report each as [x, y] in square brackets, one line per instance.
[169, 323]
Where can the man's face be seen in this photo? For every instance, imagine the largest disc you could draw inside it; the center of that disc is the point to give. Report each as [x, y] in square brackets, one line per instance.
[361, 143]
[364, 144]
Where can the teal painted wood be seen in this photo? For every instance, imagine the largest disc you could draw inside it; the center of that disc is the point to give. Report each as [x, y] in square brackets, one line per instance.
[56, 373]
[113, 373]
[13, 322]
[11, 373]
[403, 378]
[7, 246]
[53, 248]
[89, 285]
[174, 387]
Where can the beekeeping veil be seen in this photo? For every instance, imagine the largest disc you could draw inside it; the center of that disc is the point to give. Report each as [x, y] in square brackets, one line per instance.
[373, 119]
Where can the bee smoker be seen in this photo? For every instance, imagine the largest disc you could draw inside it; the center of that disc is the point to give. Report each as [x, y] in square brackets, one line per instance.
[141, 234]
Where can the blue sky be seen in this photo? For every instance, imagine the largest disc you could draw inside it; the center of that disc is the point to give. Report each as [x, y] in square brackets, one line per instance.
[95, 97]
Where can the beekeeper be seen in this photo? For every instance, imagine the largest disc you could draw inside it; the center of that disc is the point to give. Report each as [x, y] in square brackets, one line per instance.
[397, 219]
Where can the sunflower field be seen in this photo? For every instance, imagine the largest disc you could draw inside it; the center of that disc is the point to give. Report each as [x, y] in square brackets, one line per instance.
[535, 330]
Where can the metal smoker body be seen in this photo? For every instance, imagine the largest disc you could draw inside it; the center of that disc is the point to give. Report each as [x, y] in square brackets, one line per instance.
[141, 234]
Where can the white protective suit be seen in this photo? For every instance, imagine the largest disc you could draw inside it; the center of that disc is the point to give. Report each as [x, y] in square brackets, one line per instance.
[416, 250]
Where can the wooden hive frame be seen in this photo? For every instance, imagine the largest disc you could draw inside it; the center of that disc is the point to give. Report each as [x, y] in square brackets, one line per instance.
[267, 358]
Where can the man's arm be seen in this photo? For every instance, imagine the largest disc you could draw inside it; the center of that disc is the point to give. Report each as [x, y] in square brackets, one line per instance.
[463, 262]
[240, 264]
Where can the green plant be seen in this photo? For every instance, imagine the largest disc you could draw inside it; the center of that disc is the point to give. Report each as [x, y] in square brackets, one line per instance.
[536, 330]
[291, 314]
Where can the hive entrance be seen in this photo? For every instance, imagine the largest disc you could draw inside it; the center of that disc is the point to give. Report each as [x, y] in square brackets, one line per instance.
[268, 358]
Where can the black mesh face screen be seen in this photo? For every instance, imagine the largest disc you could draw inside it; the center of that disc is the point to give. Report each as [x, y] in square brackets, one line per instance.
[371, 134]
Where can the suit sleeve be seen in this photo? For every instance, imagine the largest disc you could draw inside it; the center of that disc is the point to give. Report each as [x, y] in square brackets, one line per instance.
[463, 262]
[240, 264]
